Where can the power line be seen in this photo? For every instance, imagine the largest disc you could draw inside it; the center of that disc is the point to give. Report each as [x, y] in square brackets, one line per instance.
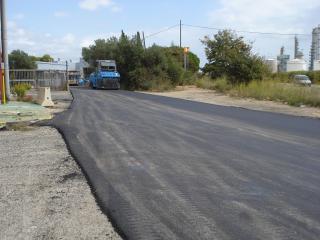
[251, 32]
[161, 31]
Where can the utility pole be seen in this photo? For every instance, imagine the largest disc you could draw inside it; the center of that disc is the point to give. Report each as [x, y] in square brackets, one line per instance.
[144, 41]
[180, 34]
[67, 75]
[4, 40]
[2, 83]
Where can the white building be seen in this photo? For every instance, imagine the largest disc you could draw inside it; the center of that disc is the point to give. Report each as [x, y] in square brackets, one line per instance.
[316, 65]
[272, 65]
[315, 47]
[297, 65]
[51, 66]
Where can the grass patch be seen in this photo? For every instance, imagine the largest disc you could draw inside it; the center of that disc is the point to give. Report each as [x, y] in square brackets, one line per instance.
[219, 84]
[293, 95]
[272, 90]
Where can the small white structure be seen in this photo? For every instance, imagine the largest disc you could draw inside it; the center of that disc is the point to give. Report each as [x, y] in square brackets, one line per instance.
[44, 97]
[297, 65]
[316, 65]
[272, 64]
[54, 66]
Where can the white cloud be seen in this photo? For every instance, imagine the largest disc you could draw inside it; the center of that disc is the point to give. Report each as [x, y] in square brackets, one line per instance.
[256, 15]
[68, 38]
[60, 14]
[95, 4]
[116, 9]
[64, 47]
[18, 16]
[285, 16]
[19, 35]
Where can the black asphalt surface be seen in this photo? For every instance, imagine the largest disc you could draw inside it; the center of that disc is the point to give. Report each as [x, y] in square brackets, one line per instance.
[164, 168]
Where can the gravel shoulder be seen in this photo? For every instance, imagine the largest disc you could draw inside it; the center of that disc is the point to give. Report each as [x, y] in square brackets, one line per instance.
[193, 93]
[43, 193]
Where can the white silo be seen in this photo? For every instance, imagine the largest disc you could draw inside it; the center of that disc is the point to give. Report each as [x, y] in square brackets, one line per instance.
[316, 65]
[272, 65]
[297, 65]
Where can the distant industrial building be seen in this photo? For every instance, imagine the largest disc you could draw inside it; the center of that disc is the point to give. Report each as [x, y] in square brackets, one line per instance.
[51, 66]
[75, 70]
[315, 49]
[297, 53]
[298, 63]
[282, 61]
[272, 64]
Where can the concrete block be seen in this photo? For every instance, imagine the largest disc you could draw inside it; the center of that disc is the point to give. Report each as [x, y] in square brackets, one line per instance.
[44, 97]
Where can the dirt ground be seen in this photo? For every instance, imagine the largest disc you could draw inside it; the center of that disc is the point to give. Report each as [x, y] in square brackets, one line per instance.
[43, 194]
[209, 96]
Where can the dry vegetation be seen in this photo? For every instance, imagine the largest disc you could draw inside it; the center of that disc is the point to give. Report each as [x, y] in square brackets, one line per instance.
[271, 89]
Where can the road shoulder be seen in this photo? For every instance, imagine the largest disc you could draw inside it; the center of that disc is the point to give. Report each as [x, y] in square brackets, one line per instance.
[193, 93]
[43, 192]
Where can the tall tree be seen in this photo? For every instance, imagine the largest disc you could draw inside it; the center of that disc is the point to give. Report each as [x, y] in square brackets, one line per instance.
[229, 55]
[19, 59]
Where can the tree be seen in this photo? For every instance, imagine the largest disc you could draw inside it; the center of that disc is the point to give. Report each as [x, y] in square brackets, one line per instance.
[18, 59]
[46, 58]
[141, 68]
[229, 55]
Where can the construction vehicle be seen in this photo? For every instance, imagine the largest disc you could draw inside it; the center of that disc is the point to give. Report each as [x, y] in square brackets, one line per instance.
[106, 76]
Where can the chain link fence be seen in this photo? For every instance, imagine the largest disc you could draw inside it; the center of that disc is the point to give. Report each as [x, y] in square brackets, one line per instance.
[56, 80]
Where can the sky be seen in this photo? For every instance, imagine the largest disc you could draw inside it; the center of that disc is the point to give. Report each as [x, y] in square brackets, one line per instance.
[62, 27]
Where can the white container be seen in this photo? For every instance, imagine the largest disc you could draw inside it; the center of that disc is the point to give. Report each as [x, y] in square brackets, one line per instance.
[297, 65]
[272, 64]
[316, 65]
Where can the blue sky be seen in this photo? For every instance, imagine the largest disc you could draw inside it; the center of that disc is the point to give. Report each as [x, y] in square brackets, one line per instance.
[62, 28]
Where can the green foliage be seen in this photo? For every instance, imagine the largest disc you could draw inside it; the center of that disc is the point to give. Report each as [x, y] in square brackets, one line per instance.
[291, 94]
[142, 69]
[230, 56]
[288, 76]
[20, 90]
[46, 58]
[219, 84]
[20, 60]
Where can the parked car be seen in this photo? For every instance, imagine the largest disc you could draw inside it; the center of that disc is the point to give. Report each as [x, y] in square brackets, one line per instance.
[302, 80]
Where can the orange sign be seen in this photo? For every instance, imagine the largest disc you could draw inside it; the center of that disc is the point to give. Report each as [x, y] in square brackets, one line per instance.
[186, 50]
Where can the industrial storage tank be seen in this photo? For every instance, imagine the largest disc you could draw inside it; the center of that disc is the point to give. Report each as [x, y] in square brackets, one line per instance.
[272, 64]
[316, 65]
[297, 65]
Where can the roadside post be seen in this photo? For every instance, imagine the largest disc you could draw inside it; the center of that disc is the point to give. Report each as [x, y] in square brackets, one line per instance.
[67, 75]
[2, 82]
[4, 42]
[185, 53]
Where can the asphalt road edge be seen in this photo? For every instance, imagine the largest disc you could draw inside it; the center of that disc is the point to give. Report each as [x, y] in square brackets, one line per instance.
[99, 202]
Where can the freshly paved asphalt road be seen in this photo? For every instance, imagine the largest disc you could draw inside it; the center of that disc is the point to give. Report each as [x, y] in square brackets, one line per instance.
[165, 168]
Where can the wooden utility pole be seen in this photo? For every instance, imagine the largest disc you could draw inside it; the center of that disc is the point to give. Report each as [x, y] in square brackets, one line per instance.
[180, 34]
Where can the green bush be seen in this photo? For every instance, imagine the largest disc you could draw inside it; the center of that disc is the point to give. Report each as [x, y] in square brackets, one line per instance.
[220, 84]
[143, 69]
[230, 56]
[294, 95]
[288, 76]
[20, 90]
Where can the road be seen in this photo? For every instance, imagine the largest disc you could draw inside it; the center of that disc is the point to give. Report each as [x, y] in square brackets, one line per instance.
[165, 168]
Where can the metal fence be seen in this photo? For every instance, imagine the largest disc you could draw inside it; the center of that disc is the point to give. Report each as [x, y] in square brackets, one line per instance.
[56, 80]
